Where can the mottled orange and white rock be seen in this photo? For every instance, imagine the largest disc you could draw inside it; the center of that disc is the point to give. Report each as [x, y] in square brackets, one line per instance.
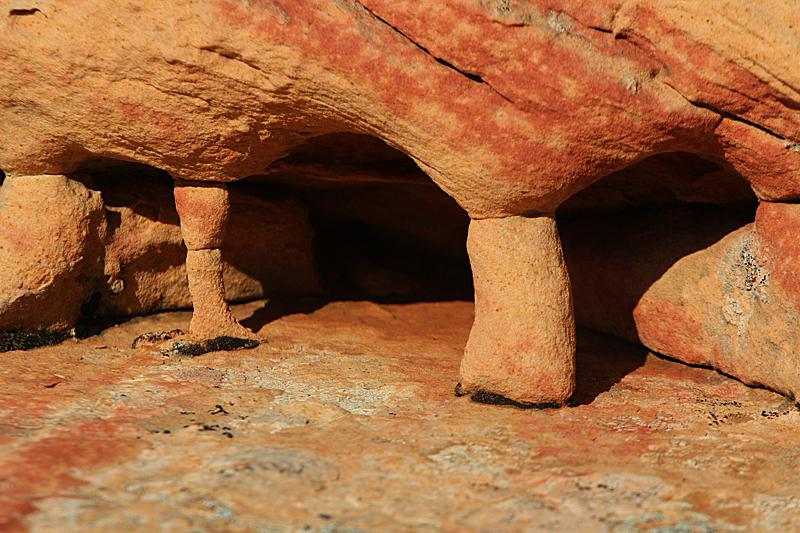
[522, 344]
[145, 256]
[203, 208]
[522, 107]
[705, 287]
[510, 107]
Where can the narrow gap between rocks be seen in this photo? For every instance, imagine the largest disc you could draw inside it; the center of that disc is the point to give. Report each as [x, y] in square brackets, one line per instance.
[625, 232]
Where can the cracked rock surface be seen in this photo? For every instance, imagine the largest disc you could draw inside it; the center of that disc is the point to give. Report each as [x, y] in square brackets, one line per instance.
[346, 421]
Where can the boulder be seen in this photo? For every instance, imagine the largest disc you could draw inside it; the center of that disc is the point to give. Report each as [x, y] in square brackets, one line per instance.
[51, 246]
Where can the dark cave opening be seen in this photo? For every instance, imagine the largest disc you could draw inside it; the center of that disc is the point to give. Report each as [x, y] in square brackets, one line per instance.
[383, 230]
[346, 217]
[342, 217]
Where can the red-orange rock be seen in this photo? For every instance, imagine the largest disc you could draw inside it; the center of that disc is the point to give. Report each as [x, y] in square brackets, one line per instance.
[702, 287]
[522, 345]
[203, 209]
[145, 254]
[60, 245]
[510, 107]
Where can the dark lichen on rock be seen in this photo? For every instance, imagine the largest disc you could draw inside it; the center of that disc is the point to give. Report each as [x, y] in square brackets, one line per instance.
[20, 340]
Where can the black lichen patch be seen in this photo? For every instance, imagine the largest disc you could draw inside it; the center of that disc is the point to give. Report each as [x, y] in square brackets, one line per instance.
[779, 412]
[219, 410]
[184, 348]
[230, 343]
[156, 337]
[18, 340]
[226, 430]
[492, 398]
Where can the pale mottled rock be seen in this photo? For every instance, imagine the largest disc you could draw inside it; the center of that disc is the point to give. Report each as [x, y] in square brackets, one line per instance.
[697, 285]
[346, 421]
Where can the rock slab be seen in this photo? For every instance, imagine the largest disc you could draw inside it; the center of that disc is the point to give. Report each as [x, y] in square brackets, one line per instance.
[346, 421]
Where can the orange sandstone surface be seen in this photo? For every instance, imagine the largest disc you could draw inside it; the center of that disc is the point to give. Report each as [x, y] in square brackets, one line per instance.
[526, 114]
[346, 421]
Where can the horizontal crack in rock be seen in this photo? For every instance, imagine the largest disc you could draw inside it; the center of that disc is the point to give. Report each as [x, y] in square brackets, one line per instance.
[233, 56]
[737, 118]
[725, 114]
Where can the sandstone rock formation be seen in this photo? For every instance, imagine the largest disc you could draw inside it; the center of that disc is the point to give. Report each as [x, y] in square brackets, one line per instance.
[512, 108]
[51, 230]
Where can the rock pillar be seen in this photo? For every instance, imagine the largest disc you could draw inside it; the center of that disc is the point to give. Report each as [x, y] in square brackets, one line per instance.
[522, 343]
[203, 209]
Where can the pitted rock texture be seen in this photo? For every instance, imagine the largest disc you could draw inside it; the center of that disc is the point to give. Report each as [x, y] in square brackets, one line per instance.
[346, 421]
[515, 289]
[115, 248]
[51, 243]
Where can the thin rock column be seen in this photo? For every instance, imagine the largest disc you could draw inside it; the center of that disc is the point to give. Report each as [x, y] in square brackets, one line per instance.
[522, 343]
[203, 209]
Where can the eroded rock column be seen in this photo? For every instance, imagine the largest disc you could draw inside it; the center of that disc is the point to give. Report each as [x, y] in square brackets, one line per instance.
[203, 209]
[522, 343]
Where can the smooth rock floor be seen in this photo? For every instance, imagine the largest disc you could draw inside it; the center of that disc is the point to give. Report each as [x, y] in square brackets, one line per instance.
[346, 421]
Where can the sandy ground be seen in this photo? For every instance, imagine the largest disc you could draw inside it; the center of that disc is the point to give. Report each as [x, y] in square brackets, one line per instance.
[346, 421]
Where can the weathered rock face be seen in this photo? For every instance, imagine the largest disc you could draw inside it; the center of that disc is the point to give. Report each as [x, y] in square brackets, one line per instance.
[514, 109]
[145, 252]
[346, 421]
[51, 233]
[510, 107]
[72, 253]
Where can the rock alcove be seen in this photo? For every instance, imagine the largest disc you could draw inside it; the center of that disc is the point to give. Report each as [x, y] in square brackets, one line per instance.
[343, 216]
[346, 217]
[513, 116]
